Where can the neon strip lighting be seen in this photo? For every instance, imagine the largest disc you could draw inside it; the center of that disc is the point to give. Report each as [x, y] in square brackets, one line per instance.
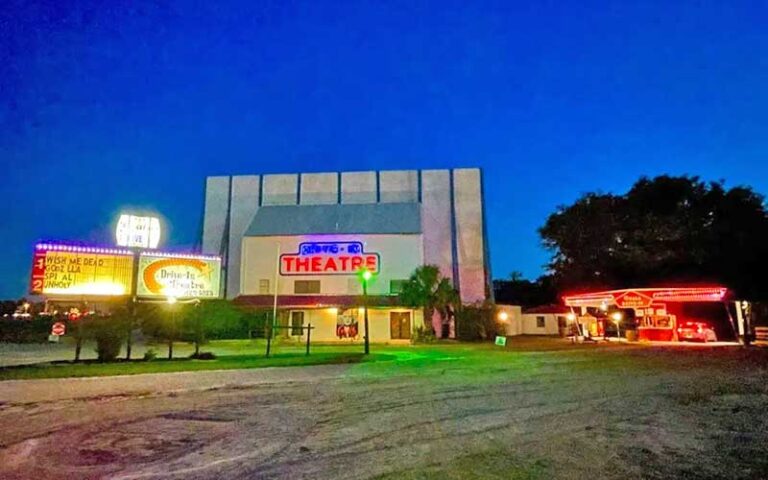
[179, 255]
[79, 249]
[672, 294]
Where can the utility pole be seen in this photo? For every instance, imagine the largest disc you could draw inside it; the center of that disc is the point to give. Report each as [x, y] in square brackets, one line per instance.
[366, 275]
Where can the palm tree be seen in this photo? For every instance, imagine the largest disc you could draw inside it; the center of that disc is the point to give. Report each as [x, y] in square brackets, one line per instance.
[427, 289]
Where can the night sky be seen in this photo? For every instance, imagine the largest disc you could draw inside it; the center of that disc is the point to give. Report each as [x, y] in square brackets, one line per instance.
[106, 105]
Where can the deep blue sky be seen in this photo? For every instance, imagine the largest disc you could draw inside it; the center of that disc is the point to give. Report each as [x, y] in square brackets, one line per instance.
[111, 104]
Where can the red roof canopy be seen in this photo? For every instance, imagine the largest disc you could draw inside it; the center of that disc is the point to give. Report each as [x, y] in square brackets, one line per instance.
[317, 301]
[645, 297]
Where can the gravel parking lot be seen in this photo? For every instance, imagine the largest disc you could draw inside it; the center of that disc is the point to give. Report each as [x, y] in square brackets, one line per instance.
[539, 409]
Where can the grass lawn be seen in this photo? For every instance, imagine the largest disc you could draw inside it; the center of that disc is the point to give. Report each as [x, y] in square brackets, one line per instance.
[241, 354]
[231, 354]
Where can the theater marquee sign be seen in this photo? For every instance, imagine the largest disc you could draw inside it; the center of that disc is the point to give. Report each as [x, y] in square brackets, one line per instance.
[329, 258]
[183, 276]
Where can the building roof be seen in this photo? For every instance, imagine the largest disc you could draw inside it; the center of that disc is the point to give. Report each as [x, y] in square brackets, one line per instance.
[644, 297]
[317, 301]
[551, 309]
[373, 218]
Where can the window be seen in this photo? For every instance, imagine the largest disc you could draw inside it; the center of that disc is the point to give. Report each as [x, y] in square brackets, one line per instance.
[396, 286]
[264, 286]
[297, 324]
[306, 286]
[540, 322]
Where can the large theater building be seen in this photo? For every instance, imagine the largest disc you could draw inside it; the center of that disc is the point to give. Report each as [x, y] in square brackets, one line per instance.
[307, 236]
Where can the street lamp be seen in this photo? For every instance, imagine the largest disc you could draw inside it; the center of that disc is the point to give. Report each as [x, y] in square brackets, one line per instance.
[365, 277]
[172, 331]
[616, 317]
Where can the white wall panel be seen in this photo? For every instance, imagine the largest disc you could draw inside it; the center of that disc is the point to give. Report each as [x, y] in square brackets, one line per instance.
[245, 203]
[319, 188]
[398, 186]
[215, 215]
[469, 234]
[358, 187]
[436, 219]
[280, 189]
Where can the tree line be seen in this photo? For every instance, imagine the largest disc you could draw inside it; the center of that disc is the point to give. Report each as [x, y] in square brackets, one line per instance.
[667, 230]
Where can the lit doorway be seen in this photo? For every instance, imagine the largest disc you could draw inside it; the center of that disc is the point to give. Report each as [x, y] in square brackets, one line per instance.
[400, 325]
[297, 323]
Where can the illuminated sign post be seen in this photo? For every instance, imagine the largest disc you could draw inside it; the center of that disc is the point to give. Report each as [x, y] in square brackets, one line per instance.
[178, 276]
[69, 270]
[329, 258]
[137, 232]
[75, 270]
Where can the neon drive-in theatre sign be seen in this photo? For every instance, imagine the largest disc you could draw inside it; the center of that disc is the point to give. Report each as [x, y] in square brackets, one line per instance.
[329, 258]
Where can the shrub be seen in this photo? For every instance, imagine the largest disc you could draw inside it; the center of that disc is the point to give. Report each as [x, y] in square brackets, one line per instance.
[477, 322]
[203, 356]
[109, 334]
[150, 354]
[34, 330]
[108, 347]
[423, 335]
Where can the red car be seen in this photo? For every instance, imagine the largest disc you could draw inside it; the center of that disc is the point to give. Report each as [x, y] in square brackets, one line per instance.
[696, 332]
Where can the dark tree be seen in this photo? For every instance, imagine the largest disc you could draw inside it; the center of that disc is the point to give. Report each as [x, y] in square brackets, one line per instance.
[665, 230]
[518, 291]
[428, 289]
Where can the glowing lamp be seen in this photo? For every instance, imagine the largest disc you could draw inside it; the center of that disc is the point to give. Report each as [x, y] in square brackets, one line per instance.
[571, 317]
[333, 311]
[616, 316]
[367, 275]
[172, 300]
[503, 316]
[135, 231]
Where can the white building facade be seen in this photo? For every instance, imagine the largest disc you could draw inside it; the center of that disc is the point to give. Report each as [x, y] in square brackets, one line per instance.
[305, 237]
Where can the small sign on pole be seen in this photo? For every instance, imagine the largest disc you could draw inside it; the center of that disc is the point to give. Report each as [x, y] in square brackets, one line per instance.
[501, 341]
[58, 329]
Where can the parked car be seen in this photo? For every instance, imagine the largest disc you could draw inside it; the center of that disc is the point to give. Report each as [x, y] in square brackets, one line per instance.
[696, 332]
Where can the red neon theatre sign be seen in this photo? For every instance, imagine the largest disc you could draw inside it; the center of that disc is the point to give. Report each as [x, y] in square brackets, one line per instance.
[329, 258]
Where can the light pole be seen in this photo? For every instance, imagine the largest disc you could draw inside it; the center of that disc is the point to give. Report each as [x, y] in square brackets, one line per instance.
[616, 316]
[365, 276]
[172, 330]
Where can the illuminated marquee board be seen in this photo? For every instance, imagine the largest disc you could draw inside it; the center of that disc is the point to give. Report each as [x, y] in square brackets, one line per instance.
[329, 258]
[75, 270]
[182, 276]
[134, 231]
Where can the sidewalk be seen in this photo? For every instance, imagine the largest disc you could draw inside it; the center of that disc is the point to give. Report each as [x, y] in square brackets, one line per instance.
[55, 389]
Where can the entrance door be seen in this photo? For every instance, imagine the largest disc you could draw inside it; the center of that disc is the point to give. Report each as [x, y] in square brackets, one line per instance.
[400, 325]
[297, 322]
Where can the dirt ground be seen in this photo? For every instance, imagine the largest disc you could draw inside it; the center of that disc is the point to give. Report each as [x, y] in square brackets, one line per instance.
[538, 409]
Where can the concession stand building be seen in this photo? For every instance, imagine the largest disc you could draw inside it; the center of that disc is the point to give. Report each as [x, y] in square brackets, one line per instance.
[299, 241]
[659, 314]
